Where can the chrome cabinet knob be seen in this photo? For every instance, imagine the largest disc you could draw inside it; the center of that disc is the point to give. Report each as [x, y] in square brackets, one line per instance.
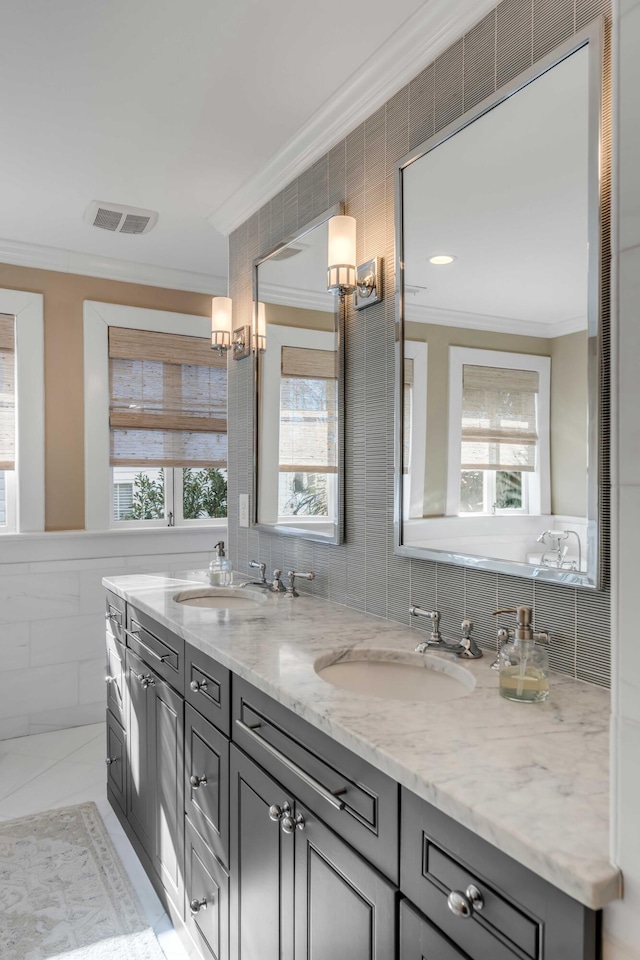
[111, 760]
[195, 906]
[198, 685]
[277, 813]
[291, 824]
[464, 904]
[196, 781]
[109, 679]
[145, 680]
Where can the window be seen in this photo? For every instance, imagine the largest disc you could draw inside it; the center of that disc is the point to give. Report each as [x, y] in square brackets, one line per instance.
[308, 444]
[498, 433]
[168, 428]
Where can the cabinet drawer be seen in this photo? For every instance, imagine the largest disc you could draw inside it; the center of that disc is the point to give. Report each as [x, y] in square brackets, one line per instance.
[115, 615]
[351, 796]
[418, 939]
[519, 914]
[206, 896]
[116, 761]
[207, 801]
[208, 688]
[162, 650]
[115, 677]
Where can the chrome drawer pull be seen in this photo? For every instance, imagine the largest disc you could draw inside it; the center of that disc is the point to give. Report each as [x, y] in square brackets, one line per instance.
[198, 685]
[114, 618]
[111, 760]
[332, 798]
[196, 781]
[464, 904]
[277, 813]
[136, 636]
[145, 680]
[291, 824]
[109, 679]
[196, 905]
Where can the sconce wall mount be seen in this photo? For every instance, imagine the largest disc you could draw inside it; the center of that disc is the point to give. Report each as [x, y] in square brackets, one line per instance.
[368, 284]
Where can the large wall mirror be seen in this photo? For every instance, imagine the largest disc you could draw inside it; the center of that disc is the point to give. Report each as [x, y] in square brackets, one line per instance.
[497, 398]
[299, 389]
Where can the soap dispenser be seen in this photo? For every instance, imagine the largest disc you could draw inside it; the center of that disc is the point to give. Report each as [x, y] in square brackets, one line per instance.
[220, 568]
[524, 660]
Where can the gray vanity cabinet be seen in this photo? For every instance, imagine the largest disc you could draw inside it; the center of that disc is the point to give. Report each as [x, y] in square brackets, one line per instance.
[261, 865]
[155, 806]
[419, 940]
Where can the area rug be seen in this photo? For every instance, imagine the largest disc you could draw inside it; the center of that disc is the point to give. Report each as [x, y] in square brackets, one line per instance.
[64, 894]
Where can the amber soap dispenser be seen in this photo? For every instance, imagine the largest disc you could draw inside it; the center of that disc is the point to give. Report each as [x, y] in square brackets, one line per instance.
[523, 660]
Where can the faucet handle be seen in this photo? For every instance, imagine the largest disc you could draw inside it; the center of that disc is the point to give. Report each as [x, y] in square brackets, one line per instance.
[292, 574]
[277, 586]
[466, 626]
[262, 567]
[504, 610]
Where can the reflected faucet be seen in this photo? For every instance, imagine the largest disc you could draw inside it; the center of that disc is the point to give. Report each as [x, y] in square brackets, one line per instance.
[555, 556]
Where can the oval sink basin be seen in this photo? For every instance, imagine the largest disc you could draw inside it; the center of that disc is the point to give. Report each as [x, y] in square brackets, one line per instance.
[219, 598]
[394, 675]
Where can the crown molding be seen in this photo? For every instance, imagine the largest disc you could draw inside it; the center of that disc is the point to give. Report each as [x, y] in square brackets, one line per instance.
[292, 297]
[90, 265]
[419, 313]
[415, 44]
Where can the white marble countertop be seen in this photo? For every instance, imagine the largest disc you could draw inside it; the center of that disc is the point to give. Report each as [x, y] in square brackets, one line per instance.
[532, 779]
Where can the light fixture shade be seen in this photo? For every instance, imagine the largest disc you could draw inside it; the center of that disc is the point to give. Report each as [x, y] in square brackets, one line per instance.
[221, 319]
[261, 320]
[341, 258]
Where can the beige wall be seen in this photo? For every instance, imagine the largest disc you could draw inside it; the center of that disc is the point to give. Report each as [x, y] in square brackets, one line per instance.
[568, 408]
[63, 308]
[282, 316]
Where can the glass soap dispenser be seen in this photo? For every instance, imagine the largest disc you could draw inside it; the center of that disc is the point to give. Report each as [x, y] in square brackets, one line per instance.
[220, 568]
[523, 660]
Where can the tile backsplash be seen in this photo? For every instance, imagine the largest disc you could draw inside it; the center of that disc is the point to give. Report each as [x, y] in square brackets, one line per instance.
[363, 572]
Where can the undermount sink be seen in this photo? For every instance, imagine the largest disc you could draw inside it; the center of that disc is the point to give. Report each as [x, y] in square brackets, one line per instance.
[219, 598]
[394, 675]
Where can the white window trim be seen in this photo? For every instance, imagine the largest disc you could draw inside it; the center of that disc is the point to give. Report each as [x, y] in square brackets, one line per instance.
[413, 494]
[279, 336]
[97, 319]
[28, 309]
[540, 497]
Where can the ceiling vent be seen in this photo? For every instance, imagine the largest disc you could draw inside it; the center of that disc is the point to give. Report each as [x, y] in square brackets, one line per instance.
[291, 251]
[119, 218]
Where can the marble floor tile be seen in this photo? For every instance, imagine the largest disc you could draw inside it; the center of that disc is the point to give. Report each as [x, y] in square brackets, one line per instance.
[56, 745]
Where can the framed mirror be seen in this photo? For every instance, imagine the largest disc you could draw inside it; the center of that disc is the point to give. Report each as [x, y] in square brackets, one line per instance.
[498, 240]
[299, 389]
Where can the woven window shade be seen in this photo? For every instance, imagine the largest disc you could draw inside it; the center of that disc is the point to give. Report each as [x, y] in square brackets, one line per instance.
[407, 413]
[7, 393]
[308, 412]
[168, 404]
[304, 362]
[499, 428]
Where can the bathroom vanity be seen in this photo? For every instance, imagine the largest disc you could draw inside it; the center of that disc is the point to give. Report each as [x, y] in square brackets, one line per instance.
[279, 816]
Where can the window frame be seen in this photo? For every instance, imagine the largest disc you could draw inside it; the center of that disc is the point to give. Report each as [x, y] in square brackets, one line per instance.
[539, 483]
[26, 489]
[98, 474]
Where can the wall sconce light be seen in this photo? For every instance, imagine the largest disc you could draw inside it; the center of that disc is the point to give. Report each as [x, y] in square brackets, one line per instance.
[221, 316]
[341, 259]
[261, 327]
[343, 277]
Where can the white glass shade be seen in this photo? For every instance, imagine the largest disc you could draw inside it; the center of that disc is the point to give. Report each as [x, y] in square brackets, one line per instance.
[342, 242]
[221, 315]
[262, 320]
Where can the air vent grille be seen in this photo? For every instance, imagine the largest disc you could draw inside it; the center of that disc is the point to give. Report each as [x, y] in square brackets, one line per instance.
[118, 218]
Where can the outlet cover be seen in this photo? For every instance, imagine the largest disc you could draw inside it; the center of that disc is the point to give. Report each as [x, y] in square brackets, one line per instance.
[243, 509]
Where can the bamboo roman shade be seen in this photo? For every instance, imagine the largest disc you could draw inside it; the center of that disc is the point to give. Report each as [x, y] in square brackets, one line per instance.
[499, 429]
[7, 393]
[168, 400]
[308, 411]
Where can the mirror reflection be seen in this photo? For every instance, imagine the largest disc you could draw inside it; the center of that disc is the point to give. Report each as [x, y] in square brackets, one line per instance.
[299, 391]
[495, 390]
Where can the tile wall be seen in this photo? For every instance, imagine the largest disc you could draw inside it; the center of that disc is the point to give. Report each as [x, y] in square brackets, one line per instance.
[363, 572]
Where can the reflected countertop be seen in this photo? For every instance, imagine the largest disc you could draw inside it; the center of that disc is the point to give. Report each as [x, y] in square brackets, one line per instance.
[532, 779]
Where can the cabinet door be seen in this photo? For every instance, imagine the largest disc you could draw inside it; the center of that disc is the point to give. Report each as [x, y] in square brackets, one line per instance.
[167, 772]
[207, 897]
[206, 782]
[420, 941]
[116, 762]
[343, 906]
[115, 678]
[261, 866]
[139, 684]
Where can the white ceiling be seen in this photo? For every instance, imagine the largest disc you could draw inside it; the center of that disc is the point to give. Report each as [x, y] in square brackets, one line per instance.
[169, 106]
[508, 197]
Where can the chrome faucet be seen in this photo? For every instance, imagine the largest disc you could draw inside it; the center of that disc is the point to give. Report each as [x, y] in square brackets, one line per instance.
[291, 589]
[466, 648]
[262, 582]
[556, 556]
[277, 586]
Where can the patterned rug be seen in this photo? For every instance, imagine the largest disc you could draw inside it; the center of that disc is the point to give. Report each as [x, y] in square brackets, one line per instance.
[64, 893]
